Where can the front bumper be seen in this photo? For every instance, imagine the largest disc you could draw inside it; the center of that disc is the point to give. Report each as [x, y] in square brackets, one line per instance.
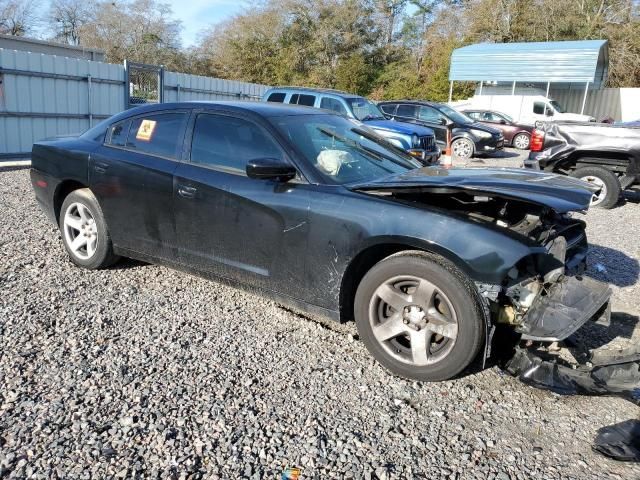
[489, 145]
[567, 306]
[426, 157]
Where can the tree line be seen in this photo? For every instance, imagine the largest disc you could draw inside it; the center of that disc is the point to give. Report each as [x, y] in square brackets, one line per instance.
[379, 48]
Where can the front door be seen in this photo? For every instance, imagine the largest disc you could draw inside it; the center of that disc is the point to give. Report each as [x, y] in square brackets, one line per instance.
[248, 230]
[132, 178]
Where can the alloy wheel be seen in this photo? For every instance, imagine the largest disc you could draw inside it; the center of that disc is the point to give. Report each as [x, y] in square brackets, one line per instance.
[521, 142]
[462, 149]
[80, 231]
[413, 320]
[598, 198]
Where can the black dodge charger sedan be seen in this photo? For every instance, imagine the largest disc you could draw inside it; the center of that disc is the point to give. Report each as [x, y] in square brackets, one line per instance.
[320, 213]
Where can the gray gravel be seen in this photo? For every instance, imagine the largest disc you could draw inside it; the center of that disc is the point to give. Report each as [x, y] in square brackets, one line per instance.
[140, 371]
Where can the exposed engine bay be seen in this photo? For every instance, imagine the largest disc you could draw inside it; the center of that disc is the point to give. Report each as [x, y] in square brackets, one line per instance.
[544, 297]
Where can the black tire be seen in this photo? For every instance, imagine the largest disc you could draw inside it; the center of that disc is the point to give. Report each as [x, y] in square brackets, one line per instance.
[101, 255]
[524, 138]
[464, 147]
[461, 294]
[613, 190]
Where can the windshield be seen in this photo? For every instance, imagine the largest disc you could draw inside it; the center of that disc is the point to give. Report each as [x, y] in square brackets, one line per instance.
[556, 106]
[455, 115]
[343, 150]
[507, 117]
[364, 109]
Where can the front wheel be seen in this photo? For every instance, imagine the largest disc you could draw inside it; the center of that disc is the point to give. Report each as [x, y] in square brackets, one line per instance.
[521, 141]
[610, 189]
[84, 231]
[419, 316]
[462, 148]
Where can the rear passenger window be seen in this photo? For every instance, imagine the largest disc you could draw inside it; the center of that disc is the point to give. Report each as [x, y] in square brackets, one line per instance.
[159, 134]
[302, 99]
[118, 133]
[538, 108]
[276, 97]
[229, 143]
[409, 111]
[333, 104]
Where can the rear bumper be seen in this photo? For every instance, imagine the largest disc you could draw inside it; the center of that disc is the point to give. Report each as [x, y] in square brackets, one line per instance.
[44, 187]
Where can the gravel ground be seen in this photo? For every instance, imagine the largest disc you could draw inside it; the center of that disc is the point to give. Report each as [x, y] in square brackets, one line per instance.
[140, 371]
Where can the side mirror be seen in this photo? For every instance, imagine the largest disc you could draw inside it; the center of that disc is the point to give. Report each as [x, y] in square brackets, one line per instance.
[548, 112]
[270, 169]
[443, 121]
[503, 121]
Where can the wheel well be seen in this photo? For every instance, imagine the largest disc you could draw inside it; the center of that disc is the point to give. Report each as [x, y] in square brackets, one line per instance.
[63, 190]
[360, 265]
[617, 162]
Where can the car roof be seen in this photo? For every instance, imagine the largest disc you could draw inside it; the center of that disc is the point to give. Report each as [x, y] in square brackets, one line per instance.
[264, 109]
[331, 91]
[413, 102]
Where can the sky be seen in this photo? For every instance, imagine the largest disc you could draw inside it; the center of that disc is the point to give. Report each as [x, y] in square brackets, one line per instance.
[196, 15]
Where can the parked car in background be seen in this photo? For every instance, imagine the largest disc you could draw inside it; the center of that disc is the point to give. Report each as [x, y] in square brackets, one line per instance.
[605, 155]
[527, 106]
[318, 212]
[418, 141]
[515, 134]
[468, 137]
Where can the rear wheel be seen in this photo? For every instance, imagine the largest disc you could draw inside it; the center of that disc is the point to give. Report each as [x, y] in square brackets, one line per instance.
[462, 148]
[84, 231]
[419, 316]
[610, 189]
[522, 141]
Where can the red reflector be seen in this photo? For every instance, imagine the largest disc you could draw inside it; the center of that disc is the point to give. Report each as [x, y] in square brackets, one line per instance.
[537, 141]
[41, 183]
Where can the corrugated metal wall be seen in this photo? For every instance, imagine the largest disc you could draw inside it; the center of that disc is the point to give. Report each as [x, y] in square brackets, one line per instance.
[600, 103]
[181, 87]
[43, 96]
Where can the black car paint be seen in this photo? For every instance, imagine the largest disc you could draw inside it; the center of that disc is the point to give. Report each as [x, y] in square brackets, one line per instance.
[301, 242]
[458, 130]
[572, 144]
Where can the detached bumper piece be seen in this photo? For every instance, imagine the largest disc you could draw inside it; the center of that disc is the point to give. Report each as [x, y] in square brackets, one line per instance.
[620, 441]
[616, 373]
[565, 308]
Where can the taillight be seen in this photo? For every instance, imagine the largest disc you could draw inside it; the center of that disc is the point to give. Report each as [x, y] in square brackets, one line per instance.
[537, 140]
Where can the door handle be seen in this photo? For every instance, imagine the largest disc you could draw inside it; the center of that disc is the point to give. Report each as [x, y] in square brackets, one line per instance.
[101, 167]
[186, 191]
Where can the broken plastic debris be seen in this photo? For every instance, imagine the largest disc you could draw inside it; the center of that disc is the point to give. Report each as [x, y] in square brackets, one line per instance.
[620, 441]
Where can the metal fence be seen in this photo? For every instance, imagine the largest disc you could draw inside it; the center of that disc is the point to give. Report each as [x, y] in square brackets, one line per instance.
[43, 96]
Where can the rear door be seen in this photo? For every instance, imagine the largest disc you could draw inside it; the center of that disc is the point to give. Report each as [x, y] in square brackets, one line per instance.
[132, 177]
[247, 230]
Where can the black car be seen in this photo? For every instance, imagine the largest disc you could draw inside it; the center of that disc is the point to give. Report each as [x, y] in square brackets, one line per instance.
[319, 212]
[468, 137]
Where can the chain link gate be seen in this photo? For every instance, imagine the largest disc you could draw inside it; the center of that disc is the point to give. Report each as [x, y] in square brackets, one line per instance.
[144, 84]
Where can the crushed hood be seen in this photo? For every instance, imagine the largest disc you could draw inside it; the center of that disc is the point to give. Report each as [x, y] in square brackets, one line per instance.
[561, 193]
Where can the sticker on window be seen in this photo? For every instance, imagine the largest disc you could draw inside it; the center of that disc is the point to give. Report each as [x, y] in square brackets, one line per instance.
[145, 130]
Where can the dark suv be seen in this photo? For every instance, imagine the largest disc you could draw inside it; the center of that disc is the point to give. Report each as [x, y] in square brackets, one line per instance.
[468, 137]
[418, 141]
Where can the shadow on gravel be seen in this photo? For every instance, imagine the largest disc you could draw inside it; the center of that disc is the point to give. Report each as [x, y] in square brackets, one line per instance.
[595, 335]
[612, 266]
[127, 264]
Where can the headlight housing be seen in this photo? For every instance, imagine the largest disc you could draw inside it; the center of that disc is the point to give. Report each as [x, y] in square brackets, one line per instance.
[481, 133]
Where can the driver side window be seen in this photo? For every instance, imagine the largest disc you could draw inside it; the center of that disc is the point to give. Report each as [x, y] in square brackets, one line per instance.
[429, 114]
[229, 143]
